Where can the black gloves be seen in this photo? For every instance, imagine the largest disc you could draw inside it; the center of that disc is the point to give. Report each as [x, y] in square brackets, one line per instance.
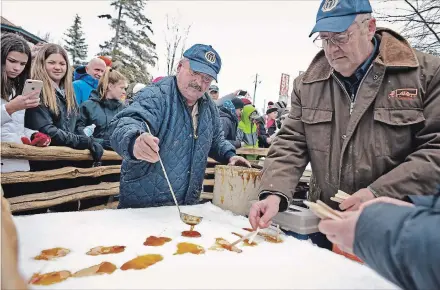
[96, 150]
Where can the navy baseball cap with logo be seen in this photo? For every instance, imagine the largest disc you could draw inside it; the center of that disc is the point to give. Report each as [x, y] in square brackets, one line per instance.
[204, 59]
[338, 15]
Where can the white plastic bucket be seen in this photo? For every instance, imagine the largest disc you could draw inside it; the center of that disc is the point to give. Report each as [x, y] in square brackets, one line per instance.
[235, 187]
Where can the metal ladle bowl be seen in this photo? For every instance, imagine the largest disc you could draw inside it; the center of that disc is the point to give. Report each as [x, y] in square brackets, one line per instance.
[191, 220]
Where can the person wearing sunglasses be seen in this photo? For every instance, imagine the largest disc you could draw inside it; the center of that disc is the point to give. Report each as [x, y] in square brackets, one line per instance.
[185, 125]
[365, 114]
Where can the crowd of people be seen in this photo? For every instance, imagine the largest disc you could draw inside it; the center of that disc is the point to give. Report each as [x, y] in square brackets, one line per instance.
[364, 114]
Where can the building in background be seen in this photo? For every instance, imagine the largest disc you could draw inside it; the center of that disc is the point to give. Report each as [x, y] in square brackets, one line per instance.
[7, 26]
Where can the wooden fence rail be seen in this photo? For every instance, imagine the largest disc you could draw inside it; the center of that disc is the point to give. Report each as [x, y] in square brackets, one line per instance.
[62, 173]
[55, 153]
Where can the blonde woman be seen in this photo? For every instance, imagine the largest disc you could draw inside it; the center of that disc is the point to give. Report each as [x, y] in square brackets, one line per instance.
[103, 104]
[57, 114]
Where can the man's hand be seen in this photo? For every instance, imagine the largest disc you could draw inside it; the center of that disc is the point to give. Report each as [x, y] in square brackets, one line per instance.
[238, 160]
[356, 199]
[263, 211]
[146, 147]
[341, 232]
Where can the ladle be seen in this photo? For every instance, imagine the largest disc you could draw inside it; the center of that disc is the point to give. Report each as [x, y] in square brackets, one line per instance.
[188, 219]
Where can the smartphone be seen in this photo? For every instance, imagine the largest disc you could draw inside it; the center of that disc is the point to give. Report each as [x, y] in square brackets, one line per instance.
[31, 86]
[242, 93]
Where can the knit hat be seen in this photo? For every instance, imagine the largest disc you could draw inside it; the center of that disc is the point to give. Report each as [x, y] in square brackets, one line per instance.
[271, 109]
[107, 60]
[246, 101]
[238, 103]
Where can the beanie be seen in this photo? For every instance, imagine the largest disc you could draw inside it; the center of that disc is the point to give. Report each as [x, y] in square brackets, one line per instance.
[238, 103]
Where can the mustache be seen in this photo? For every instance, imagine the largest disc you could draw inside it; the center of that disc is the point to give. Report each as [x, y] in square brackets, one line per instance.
[195, 86]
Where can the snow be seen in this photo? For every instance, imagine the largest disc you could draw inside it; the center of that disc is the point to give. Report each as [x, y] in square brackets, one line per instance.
[292, 264]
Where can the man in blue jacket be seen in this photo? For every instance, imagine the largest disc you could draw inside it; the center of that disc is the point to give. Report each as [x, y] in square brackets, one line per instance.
[399, 240]
[184, 123]
[86, 79]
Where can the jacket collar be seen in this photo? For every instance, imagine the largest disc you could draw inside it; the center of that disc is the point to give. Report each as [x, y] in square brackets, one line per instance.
[394, 51]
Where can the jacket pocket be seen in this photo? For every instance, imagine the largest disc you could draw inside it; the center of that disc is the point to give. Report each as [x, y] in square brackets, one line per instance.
[317, 127]
[393, 130]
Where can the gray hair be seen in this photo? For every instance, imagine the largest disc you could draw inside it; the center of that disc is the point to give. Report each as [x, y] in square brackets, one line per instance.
[361, 21]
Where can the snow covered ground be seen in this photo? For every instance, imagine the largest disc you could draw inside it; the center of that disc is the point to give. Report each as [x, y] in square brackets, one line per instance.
[292, 264]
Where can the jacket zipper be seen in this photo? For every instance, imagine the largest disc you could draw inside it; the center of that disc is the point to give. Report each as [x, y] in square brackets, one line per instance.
[354, 96]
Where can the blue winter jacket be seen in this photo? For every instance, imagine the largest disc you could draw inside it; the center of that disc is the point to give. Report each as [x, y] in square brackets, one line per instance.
[83, 84]
[184, 154]
[402, 243]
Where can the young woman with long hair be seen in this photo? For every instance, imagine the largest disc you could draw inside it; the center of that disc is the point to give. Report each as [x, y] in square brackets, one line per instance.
[57, 114]
[103, 104]
[16, 68]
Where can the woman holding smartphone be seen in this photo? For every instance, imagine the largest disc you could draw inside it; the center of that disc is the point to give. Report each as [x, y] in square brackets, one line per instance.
[103, 104]
[16, 68]
[57, 114]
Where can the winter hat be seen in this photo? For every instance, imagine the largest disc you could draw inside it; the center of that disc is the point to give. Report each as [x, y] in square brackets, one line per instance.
[246, 101]
[107, 60]
[271, 109]
[238, 103]
[137, 88]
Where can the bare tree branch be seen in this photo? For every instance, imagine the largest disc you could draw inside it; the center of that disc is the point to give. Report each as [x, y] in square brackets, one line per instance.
[419, 23]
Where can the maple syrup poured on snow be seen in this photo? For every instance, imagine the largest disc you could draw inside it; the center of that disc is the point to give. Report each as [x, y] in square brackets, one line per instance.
[191, 233]
[267, 237]
[105, 250]
[103, 268]
[246, 242]
[49, 278]
[53, 253]
[142, 262]
[183, 248]
[156, 241]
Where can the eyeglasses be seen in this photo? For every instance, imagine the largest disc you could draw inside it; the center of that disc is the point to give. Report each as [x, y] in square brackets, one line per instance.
[337, 39]
[205, 78]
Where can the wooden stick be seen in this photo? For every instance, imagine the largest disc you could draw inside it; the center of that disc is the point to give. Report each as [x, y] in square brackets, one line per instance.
[340, 192]
[253, 237]
[242, 239]
[329, 209]
[341, 196]
[335, 199]
[320, 211]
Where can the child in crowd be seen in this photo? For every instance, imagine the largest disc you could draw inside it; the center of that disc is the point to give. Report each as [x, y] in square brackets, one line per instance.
[103, 104]
[57, 114]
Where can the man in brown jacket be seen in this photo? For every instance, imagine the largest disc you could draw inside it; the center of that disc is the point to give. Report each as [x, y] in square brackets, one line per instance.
[366, 114]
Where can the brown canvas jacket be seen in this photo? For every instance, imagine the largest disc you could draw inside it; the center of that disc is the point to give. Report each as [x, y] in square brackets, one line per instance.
[389, 143]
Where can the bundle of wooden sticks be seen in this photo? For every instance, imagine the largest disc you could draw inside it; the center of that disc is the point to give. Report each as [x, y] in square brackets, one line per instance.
[340, 196]
[323, 211]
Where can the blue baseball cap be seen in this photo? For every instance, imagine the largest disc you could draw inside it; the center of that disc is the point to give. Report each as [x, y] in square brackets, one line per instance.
[204, 59]
[338, 15]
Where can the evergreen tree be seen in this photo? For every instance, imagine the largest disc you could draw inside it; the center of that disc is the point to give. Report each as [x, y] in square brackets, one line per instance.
[76, 43]
[131, 45]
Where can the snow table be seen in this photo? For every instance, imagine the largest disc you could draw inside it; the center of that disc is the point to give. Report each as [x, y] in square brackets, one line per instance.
[293, 264]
